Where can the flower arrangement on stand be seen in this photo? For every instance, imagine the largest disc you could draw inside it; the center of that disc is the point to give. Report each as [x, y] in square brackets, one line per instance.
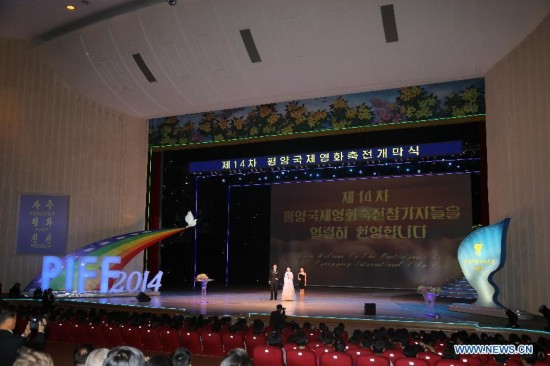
[429, 290]
[430, 293]
[202, 277]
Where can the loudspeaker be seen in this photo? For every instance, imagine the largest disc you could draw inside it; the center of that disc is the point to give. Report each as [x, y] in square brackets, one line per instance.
[370, 308]
[142, 297]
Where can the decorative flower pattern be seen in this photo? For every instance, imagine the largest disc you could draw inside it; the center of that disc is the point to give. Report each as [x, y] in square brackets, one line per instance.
[415, 103]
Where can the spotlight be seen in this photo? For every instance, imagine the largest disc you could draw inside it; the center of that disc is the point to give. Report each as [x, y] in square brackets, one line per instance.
[546, 312]
[172, 2]
[512, 319]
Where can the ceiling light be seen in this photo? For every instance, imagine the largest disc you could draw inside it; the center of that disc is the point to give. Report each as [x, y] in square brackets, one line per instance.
[172, 2]
[71, 7]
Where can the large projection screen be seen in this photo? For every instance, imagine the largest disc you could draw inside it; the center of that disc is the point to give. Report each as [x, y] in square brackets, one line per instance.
[382, 233]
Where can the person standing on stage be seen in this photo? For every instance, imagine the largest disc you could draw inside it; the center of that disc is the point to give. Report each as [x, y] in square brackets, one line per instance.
[274, 282]
[288, 294]
[302, 282]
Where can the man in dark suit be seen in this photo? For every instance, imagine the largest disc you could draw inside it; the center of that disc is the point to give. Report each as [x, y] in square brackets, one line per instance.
[274, 282]
[277, 318]
[9, 342]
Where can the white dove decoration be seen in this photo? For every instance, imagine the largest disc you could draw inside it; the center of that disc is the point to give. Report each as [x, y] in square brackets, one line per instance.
[190, 219]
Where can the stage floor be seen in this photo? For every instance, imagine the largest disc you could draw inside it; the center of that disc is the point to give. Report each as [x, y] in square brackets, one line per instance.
[400, 308]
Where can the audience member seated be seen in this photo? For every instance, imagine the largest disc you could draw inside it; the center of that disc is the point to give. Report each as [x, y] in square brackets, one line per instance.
[158, 360]
[258, 326]
[274, 339]
[378, 346]
[32, 357]
[181, 357]
[411, 351]
[300, 339]
[97, 356]
[236, 357]
[124, 356]
[356, 337]
[340, 346]
[539, 355]
[327, 338]
[81, 354]
[397, 342]
[498, 360]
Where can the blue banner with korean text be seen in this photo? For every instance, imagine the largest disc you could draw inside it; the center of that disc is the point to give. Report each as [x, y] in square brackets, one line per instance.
[42, 224]
[329, 157]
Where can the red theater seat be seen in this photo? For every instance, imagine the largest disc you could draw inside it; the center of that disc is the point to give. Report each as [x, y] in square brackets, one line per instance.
[410, 361]
[78, 333]
[290, 346]
[430, 357]
[53, 333]
[321, 350]
[345, 335]
[470, 360]
[446, 362]
[355, 353]
[254, 340]
[232, 340]
[191, 340]
[393, 354]
[336, 359]
[352, 346]
[212, 344]
[268, 356]
[301, 357]
[150, 338]
[313, 344]
[96, 335]
[312, 336]
[113, 336]
[131, 337]
[170, 339]
[62, 329]
[372, 360]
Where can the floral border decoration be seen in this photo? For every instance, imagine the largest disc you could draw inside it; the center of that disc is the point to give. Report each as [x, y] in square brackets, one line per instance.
[455, 99]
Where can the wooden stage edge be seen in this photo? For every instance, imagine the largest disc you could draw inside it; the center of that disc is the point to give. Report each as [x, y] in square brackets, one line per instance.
[394, 308]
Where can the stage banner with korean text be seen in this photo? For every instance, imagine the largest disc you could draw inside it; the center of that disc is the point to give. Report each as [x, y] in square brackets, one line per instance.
[42, 224]
[383, 233]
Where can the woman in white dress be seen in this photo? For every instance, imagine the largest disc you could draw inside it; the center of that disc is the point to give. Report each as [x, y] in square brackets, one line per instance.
[288, 289]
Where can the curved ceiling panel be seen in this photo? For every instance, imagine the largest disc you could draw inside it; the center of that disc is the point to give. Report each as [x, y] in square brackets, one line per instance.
[197, 56]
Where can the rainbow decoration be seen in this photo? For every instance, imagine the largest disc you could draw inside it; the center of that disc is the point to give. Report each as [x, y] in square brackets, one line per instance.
[126, 246]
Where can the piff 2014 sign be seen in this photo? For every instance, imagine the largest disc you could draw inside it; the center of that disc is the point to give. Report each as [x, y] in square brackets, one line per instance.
[71, 268]
[98, 266]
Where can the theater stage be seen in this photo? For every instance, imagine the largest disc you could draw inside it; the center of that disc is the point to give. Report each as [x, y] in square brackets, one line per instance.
[394, 308]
